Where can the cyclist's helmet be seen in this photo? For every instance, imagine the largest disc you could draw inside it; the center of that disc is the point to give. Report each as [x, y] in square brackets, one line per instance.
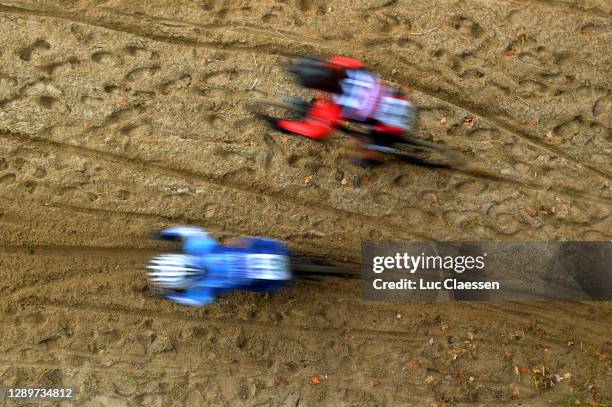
[316, 74]
[172, 271]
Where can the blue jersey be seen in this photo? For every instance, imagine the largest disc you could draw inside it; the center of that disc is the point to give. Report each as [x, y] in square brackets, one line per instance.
[256, 265]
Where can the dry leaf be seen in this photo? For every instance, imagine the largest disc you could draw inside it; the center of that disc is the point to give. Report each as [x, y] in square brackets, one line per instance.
[516, 335]
[412, 365]
[471, 379]
[344, 181]
[123, 103]
[307, 179]
[443, 120]
[531, 211]
[469, 121]
[523, 370]
[508, 354]
[282, 381]
[429, 379]
[509, 52]
[374, 382]
[315, 379]
[601, 355]
[431, 341]
[549, 135]
[284, 139]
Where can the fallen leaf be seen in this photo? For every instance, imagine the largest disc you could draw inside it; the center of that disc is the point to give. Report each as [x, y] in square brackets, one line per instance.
[431, 341]
[516, 335]
[520, 370]
[282, 381]
[443, 120]
[315, 379]
[469, 121]
[307, 179]
[531, 211]
[374, 382]
[284, 139]
[471, 379]
[543, 380]
[567, 376]
[549, 135]
[429, 379]
[508, 354]
[509, 52]
[412, 365]
[123, 103]
[344, 181]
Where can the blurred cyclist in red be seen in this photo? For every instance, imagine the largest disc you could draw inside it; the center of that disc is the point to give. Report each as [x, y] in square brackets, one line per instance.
[356, 95]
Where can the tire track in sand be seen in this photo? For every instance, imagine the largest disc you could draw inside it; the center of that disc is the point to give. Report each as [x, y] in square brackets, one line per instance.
[291, 49]
[144, 165]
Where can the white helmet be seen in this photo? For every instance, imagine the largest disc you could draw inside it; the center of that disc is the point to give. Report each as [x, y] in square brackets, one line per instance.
[172, 271]
[184, 232]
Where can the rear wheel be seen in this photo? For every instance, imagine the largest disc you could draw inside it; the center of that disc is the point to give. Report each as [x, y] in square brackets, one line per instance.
[286, 107]
[426, 153]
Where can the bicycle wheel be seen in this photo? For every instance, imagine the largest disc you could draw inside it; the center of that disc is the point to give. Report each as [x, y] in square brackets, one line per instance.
[425, 153]
[296, 107]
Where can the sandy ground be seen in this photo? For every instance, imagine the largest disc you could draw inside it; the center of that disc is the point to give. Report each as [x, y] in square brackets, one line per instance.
[119, 117]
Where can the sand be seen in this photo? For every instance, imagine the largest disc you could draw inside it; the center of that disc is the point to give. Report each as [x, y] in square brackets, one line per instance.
[120, 117]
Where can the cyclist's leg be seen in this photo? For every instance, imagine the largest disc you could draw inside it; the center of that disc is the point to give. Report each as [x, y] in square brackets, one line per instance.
[365, 157]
